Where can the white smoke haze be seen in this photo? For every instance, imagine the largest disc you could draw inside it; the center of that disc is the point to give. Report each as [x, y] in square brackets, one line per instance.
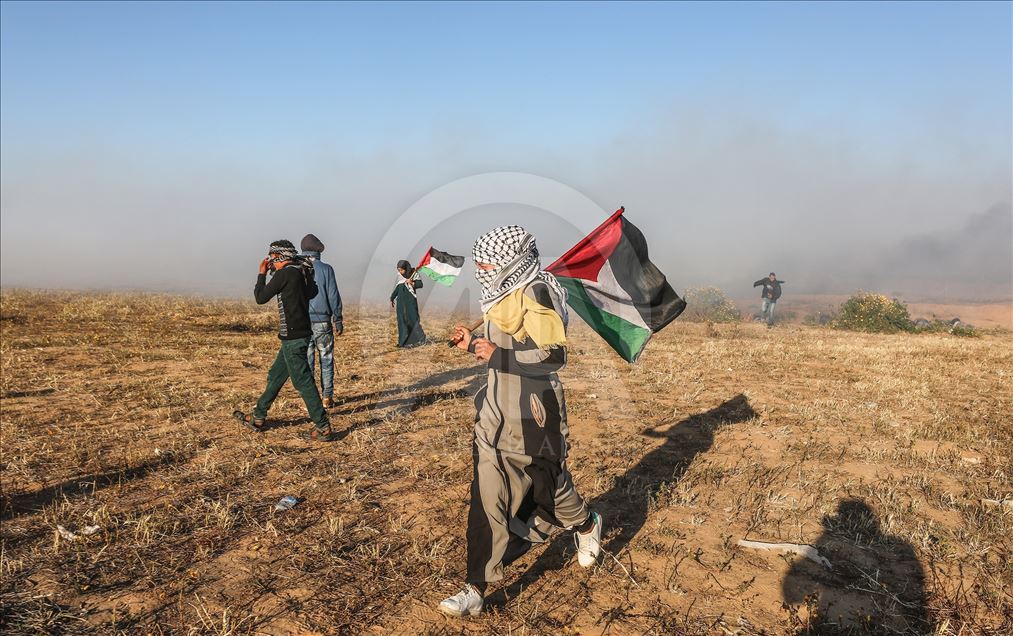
[723, 198]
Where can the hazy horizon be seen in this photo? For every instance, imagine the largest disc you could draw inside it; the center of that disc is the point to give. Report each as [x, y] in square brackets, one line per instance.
[161, 147]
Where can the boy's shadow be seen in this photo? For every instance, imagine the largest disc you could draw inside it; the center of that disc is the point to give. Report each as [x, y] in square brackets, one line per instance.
[626, 504]
[876, 582]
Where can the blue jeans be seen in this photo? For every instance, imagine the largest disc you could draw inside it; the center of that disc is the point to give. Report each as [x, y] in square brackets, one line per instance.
[322, 342]
[766, 310]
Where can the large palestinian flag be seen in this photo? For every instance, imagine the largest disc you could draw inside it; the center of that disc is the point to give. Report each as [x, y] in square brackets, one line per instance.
[615, 288]
[440, 266]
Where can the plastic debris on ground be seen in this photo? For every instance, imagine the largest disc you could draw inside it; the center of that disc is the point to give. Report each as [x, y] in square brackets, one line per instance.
[87, 531]
[287, 503]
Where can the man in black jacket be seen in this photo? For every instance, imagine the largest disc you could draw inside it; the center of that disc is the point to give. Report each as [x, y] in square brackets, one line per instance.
[293, 286]
[771, 292]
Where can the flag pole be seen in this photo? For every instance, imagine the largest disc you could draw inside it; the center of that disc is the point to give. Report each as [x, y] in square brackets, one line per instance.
[416, 272]
[472, 327]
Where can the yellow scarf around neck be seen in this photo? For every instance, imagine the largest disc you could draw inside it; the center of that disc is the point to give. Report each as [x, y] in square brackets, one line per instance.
[520, 316]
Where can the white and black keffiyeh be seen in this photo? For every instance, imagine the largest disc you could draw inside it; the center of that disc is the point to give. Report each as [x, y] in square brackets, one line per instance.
[512, 250]
[409, 283]
[283, 251]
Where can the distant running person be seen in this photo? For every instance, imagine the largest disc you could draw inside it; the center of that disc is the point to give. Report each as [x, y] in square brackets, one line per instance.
[521, 487]
[771, 292]
[292, 285]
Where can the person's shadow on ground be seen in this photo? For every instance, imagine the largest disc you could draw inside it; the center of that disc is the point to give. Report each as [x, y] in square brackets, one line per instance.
[382, 399]
[875, 583]
[625, 506]
[411, 397]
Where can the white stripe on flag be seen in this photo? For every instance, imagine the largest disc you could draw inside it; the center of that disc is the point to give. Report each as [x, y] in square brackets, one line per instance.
[608, 296]
[441, 268]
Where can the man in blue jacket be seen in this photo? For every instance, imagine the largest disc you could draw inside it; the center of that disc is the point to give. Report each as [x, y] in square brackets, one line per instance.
[325, 308]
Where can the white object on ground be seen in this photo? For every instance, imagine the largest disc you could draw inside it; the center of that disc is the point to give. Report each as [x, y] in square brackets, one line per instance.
[286, 503]
[87, 531]
[996, 503]
[66, 534]
[801, 549]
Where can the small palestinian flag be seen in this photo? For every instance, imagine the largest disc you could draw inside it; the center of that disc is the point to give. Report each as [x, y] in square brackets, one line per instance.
[440, 266]
[615, 288]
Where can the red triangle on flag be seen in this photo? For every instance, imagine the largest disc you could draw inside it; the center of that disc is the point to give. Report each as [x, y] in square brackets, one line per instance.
[585, 259]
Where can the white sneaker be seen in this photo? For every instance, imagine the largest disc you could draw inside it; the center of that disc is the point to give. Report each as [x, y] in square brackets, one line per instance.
[467, 602]
[589, 545]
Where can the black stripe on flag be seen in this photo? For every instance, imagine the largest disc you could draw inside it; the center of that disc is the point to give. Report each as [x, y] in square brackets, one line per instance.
[654, 298]
[449, 259]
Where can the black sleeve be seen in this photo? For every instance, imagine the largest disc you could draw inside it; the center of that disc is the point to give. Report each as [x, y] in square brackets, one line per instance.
[533, 363]
[264, 291]
[759, 282]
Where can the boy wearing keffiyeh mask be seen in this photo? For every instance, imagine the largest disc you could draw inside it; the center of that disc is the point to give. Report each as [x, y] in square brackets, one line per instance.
[521, 487]
[293, 286]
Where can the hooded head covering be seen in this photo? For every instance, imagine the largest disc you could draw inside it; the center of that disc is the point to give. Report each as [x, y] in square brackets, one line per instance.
[512, 250]
[406, 278]
[310, 243]
[407, 267]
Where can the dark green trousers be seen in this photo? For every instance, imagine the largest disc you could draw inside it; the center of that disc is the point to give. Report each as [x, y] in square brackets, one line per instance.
[291, 363]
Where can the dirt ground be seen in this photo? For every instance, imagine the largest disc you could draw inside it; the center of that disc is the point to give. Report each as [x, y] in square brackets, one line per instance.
[890, 455]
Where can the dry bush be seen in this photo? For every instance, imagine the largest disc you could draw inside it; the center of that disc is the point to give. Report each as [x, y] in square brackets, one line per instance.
[709, 304]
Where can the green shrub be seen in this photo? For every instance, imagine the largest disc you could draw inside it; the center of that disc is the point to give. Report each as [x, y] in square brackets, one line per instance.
[873, 313]
[709, 304]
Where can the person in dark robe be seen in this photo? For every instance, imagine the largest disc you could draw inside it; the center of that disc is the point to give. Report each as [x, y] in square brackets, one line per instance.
[406, 305]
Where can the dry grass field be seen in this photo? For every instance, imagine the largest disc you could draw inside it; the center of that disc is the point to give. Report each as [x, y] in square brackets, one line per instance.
[890, 454]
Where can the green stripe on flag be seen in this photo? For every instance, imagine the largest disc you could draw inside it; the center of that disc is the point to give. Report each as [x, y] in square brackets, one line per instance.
[625, 337]
[443, 279]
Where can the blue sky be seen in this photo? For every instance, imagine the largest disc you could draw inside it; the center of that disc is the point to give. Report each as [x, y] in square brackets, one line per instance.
[152, 91]
[249, 75]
